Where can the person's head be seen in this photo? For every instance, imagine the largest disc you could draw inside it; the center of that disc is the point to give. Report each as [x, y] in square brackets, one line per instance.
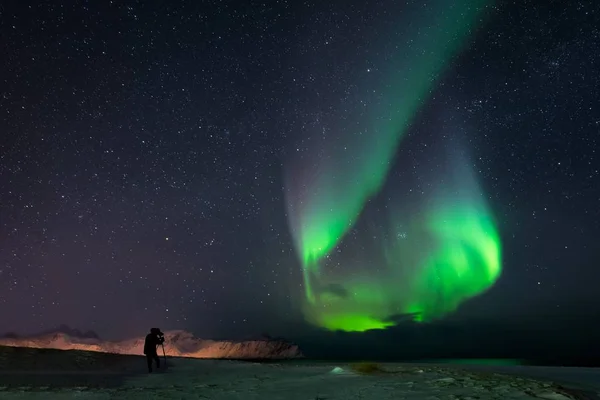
[155, 331]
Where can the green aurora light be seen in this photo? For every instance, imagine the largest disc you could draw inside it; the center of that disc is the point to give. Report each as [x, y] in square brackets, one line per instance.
[464, 257]
[441, 255]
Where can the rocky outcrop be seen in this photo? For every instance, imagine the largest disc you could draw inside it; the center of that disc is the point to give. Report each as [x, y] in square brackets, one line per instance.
[177, 344]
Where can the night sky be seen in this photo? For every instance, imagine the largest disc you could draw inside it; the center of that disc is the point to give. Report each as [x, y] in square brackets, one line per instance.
[153, 155]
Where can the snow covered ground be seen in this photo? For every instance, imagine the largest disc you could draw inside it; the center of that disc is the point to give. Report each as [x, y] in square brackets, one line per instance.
[220, 379]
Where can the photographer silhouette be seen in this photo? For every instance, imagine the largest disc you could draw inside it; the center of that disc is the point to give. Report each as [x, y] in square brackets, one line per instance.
[154, 339]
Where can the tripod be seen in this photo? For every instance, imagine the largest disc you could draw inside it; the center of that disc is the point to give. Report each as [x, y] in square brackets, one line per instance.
[164, 354]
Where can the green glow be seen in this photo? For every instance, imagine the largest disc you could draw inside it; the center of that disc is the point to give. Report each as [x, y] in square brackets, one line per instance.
[358, 167]
[452, 251]
[358, 322]
[464, 262]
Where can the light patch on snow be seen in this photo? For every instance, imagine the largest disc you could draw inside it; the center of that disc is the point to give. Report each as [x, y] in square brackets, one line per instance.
[341, 371]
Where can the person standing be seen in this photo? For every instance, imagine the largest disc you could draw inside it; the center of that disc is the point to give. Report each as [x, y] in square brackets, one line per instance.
[154, 339]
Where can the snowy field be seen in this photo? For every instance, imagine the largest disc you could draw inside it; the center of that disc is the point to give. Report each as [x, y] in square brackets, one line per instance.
[219, 379]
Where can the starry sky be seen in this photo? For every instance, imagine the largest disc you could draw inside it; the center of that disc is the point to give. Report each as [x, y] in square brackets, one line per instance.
[153, 154]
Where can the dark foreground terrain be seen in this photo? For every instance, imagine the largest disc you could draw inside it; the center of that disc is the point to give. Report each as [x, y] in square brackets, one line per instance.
[30, 367]
[27, 373]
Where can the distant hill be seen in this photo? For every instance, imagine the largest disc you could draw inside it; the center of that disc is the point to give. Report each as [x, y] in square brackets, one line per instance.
[72, 332]
[64, 329]
[177, 343]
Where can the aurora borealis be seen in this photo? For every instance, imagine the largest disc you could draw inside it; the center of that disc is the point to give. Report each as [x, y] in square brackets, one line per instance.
[432, 258]
[457, 255]
[234, 168]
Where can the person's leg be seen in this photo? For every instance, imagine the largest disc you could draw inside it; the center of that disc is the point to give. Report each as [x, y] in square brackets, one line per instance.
[149, 361]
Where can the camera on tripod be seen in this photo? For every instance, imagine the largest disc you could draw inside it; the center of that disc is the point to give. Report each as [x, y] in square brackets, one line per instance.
[159, 335]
